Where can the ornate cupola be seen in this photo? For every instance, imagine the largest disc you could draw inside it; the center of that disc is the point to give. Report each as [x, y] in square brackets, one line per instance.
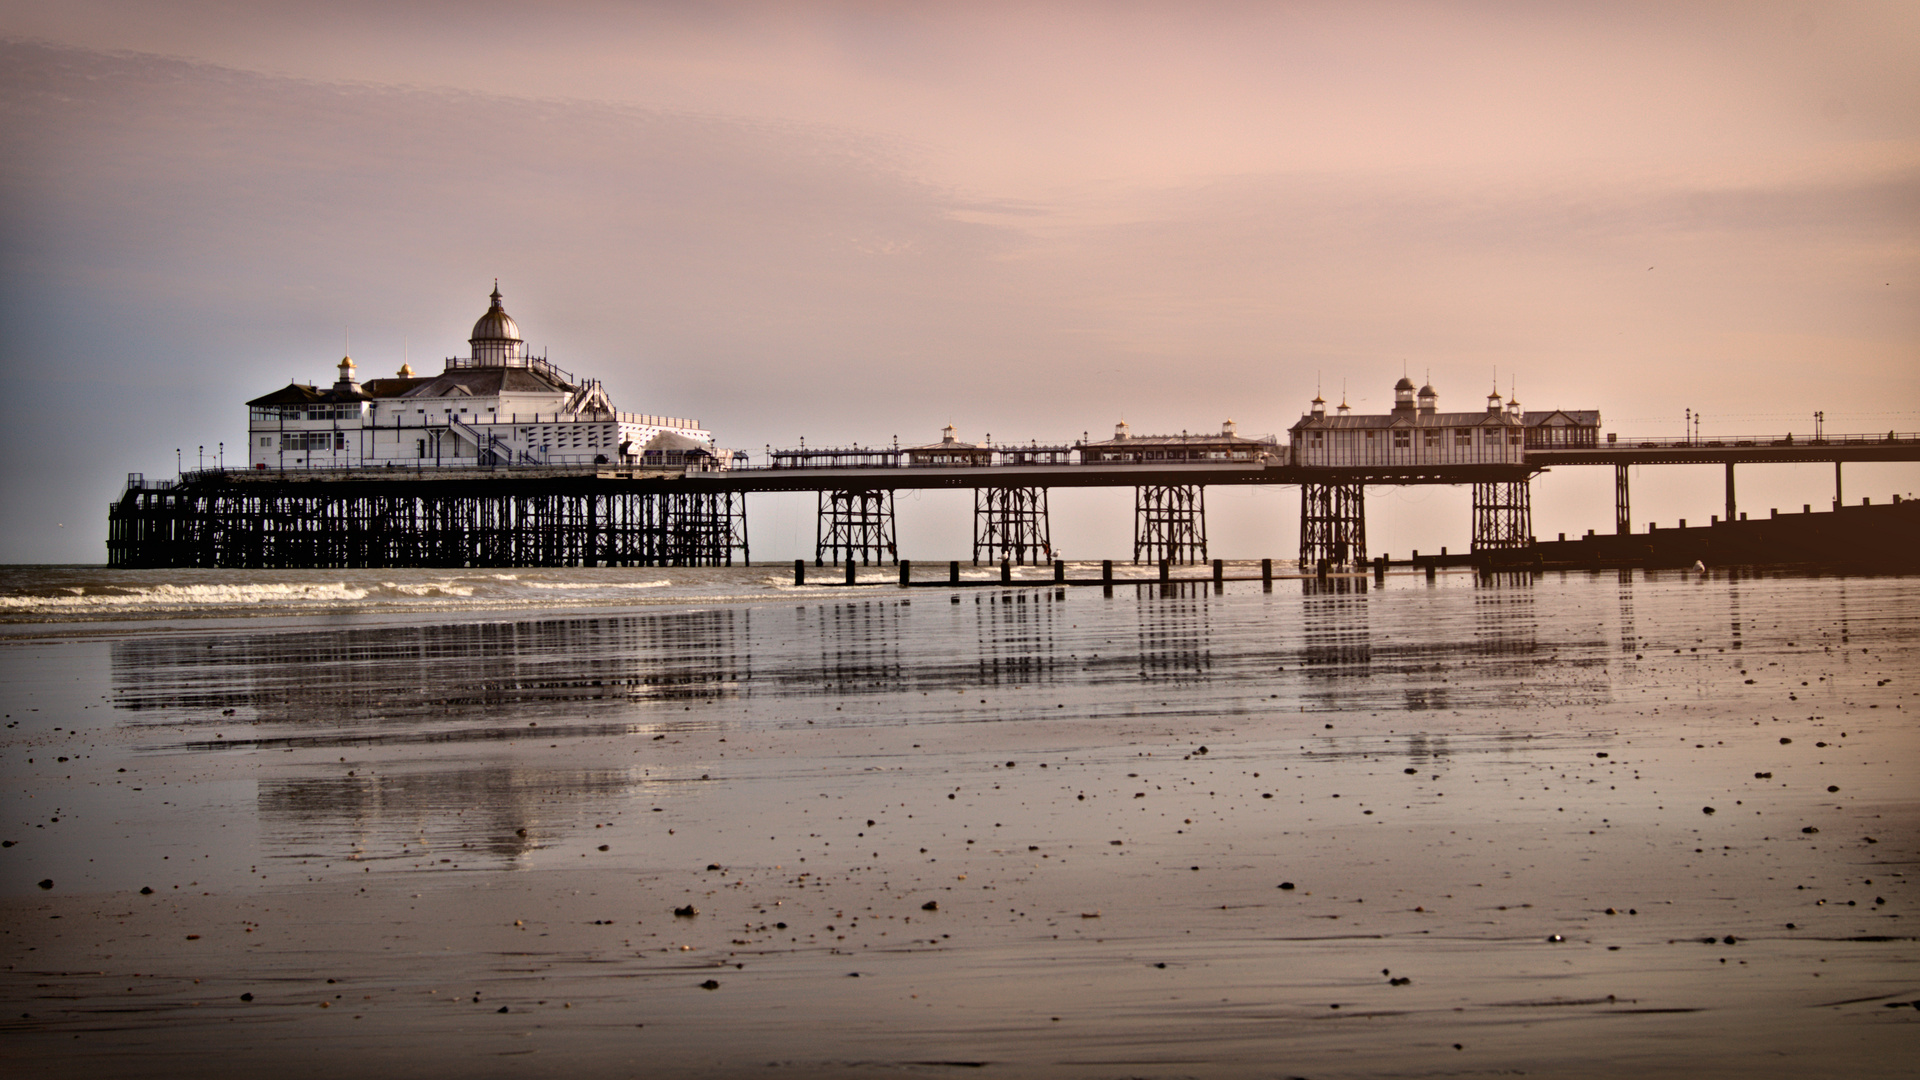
[496, 337]
[1403, 397]
[1429, 400]
[346, 381]
[1317, 408]
[1493, 402]
[1121, 430]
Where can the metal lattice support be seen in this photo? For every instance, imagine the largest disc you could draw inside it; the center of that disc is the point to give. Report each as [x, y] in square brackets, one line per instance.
[1502, 516]
[1622, 512]
[279, 528]
[1011, 523]
[1333, 524]
[855, 525]
[1170, 522]
[703, 529]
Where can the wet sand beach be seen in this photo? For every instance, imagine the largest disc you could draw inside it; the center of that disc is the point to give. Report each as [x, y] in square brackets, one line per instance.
[1620, 824]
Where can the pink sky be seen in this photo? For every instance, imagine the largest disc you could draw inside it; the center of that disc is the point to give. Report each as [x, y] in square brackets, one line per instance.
[850, 221]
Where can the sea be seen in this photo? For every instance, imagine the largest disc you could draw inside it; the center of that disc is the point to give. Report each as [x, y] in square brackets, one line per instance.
[516, 821]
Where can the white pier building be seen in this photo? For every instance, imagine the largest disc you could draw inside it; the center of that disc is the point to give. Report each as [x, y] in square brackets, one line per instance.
[1417, 434]
[499, 406]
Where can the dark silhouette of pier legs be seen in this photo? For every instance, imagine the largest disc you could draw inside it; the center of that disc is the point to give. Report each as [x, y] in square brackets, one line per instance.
[1502, 515]
[1730, 506]
[445, 526]
[1333, 524]
[1622, 510]
[1010, 523]
[1170, 523]
[855, 525]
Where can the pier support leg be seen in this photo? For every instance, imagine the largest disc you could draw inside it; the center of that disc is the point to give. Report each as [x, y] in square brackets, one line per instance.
[1730, 507]
[1011, 523]
[1333, 524]
[855, 525]
[1839, 498]
[1170, 523]
[1622, 511]
[1502, 515]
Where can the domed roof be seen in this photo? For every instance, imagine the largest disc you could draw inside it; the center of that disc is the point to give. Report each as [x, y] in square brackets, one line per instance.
[1429, 391]
[496, 324]
[1404, 383]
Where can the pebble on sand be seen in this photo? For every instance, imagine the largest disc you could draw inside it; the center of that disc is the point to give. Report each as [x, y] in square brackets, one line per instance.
[46, 883]
[710, 984]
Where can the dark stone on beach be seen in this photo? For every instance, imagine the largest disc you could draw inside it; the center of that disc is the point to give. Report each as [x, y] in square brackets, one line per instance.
[1729, 940]
[1790, 926]
[502, 1008]
[779, 926]
[603, 847]
[1763, 776]
[146, 890]
[686, 912]
[1706, 809]
[931, 905]
[1555, 938]
[1288, 885]
[1400, 981]
[710, 984]
[853, 974]
[1410, 772]
[46, 883]
[1161, 964]
[716, 866]
[1602, 753]
[1784, 740]
[1809, 829]
[519, 832]
[246, 997]
[1833, 787]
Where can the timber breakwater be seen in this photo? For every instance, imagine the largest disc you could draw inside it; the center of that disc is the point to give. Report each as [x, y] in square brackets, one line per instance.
[1870, 537]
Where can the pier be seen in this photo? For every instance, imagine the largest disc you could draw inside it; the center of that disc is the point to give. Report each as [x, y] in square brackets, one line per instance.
[629, 515]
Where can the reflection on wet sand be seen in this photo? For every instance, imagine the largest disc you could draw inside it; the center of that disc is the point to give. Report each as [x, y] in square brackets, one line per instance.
[401, 675]
[1044, 829]
[487, 817]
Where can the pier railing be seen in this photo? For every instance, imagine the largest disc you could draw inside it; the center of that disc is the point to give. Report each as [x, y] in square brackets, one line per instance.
[1719, 442]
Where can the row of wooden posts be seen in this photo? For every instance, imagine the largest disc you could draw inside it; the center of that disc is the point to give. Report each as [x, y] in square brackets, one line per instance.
[1322, 570]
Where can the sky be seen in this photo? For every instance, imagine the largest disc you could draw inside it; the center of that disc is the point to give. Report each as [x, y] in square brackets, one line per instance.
[854, 221]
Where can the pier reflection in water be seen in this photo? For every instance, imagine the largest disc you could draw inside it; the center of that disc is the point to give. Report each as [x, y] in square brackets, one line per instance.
[489, 817]
[458, 734]
[399, 675]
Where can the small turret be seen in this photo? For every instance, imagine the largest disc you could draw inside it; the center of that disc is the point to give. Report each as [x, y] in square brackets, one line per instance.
[1229, 429]
[1493, 403]
[346, 381]
[1403, 395]
[1318, 408]
[1121, 431]
[1429, 400]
